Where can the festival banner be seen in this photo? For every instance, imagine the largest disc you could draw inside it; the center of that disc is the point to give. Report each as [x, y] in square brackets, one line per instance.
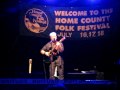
[71, 22]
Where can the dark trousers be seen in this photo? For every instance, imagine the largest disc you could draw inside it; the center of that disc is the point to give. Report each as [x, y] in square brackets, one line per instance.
[60, 67]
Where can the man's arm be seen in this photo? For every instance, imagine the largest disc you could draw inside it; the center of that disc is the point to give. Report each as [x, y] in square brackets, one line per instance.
[43, 50]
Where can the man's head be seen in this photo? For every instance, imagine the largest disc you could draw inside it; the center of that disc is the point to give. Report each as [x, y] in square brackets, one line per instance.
[53, 36]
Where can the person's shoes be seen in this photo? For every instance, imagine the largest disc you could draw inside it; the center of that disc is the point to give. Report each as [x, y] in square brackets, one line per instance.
[60, 78]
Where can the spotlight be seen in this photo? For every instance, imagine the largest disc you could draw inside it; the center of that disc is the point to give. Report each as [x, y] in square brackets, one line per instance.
[94, 1]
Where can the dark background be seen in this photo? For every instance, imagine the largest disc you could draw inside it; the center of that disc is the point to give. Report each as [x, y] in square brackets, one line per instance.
[102, 53]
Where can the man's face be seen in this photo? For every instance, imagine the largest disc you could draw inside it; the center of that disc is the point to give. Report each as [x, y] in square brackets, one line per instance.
[53, 38]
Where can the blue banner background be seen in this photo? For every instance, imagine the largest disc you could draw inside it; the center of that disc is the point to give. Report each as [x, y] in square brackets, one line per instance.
[47, 12]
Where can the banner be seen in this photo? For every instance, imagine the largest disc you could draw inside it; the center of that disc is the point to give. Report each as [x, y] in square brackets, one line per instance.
[71, 22]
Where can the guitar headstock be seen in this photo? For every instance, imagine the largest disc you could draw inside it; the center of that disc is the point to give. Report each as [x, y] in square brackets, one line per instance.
[64, 37]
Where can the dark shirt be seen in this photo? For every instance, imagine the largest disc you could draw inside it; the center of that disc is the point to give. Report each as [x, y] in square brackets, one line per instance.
[49, 46]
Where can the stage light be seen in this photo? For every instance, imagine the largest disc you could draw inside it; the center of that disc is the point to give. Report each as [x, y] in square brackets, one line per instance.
[51, 1]
[94, 1]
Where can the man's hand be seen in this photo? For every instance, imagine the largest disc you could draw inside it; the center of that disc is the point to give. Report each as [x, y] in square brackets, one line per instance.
[59, 46]
[47, 54]
[58, 43]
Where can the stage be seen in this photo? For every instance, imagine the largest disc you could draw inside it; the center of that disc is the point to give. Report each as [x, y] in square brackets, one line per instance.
[46, 84]
[91, 49]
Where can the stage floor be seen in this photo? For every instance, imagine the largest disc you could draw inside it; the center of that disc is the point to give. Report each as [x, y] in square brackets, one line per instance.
[46, 84]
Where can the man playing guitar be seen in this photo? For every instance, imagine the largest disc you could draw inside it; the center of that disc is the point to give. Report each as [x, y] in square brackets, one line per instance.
[53, 50]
